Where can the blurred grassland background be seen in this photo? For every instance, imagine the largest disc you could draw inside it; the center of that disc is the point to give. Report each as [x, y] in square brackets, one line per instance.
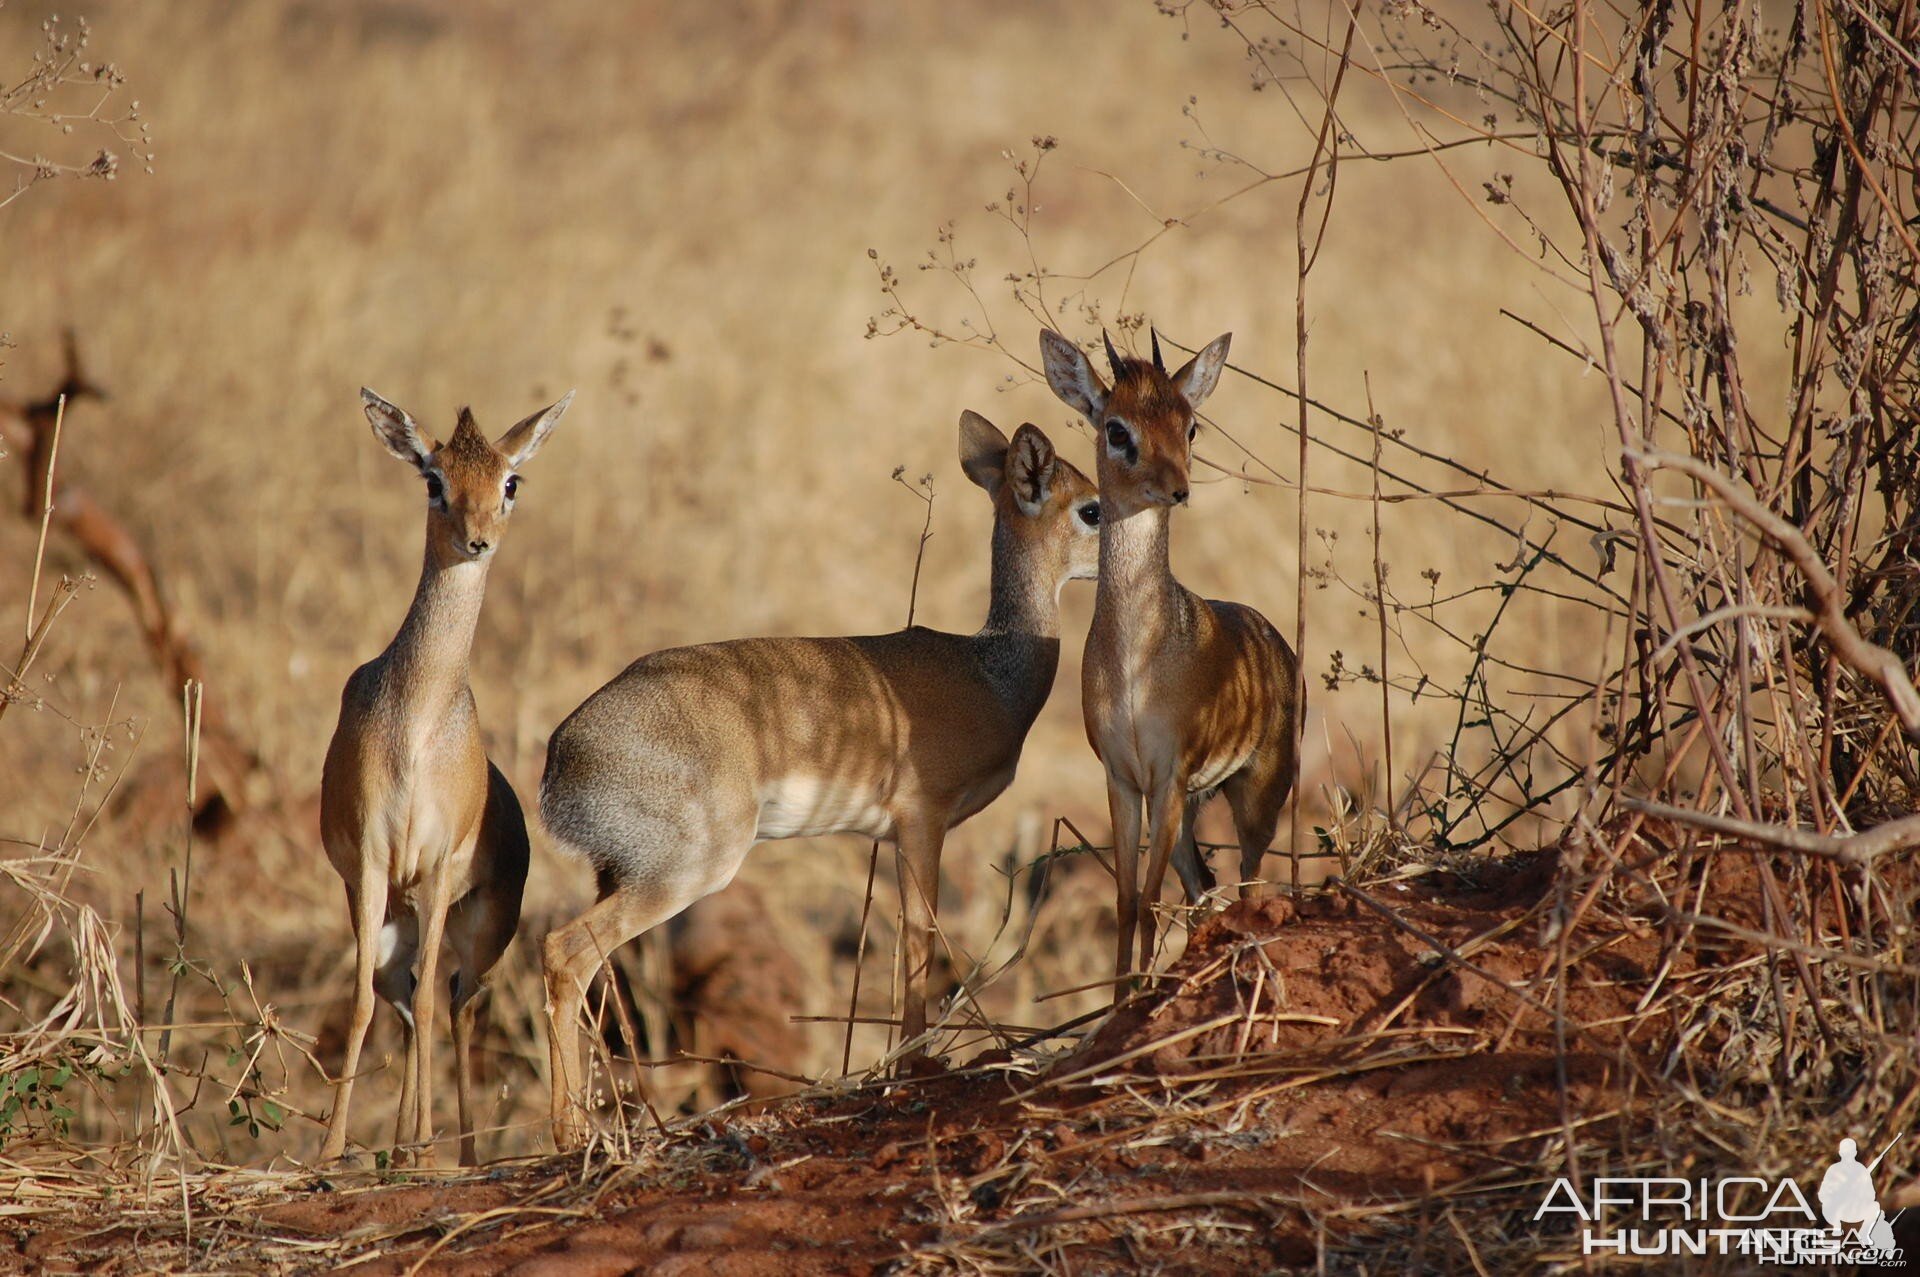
[670, 207]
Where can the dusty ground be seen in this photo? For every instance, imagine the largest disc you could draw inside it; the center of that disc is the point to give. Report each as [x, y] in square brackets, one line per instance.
[1305, 1072]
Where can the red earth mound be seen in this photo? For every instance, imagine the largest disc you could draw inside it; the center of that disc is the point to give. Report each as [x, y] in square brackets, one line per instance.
[1300, 1076]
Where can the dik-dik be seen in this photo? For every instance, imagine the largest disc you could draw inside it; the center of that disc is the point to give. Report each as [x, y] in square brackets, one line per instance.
[425, 831]
[666, 777]
[1183, 696]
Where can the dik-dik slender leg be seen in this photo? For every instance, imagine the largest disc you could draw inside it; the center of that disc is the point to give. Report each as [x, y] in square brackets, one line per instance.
[571, 954]
[1256, 797]
[470, 1000]
[407, 1120]
[1196, 879]
[480, 926]
[367, 904]
[1166, 814]
[920, 839]
[399, 944]
[433, 925]
[1123, 808]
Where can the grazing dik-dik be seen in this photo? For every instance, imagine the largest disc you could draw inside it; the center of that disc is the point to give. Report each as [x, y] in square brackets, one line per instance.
[425, 831]
[1183, 696]
[666, 777]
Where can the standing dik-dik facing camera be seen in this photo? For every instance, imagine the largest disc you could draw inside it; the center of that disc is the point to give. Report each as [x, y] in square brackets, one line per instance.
[425, 831]
[1182, 696]
[471, 483]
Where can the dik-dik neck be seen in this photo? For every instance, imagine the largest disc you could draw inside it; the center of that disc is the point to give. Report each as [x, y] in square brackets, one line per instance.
[426, 664]
[1020, 643]
[1137, 594]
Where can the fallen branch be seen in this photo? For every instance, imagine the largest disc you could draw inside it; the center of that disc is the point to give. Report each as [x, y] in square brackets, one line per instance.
[1902, 834]
[1868, 659]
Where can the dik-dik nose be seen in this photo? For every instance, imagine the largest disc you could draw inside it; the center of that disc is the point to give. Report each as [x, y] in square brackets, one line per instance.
[478, 546]
[1178, 496]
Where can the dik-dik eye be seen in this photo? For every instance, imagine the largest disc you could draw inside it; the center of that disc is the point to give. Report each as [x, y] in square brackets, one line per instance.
[513, 485]
[435, 492]
[1117, 436]
[1193, 428]
[1090, 514]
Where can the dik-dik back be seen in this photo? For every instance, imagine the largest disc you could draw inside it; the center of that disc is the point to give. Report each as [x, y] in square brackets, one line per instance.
[800, 736]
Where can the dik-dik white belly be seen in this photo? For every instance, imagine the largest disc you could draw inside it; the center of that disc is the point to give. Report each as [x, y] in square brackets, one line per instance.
[806, 806]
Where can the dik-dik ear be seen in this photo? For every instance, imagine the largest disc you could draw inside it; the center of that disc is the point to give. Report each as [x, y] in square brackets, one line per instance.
[520, 443]
[983, 451]
[1030, 469]
[1196, 380]
[397, 430]
[1071, 376]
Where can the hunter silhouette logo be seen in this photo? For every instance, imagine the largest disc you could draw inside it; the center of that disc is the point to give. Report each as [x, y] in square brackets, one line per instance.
[1847, 1197]
[1768, 1221]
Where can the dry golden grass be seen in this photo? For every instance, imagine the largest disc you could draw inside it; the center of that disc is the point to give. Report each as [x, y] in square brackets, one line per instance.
[671, 209]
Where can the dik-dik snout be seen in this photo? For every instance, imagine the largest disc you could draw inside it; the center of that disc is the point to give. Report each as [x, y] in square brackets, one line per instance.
[472, 521]
[471, 483]
[1144, 422]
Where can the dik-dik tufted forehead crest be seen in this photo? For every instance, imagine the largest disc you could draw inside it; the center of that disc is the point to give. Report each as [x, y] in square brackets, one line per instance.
[1144, 394]
[466, 446]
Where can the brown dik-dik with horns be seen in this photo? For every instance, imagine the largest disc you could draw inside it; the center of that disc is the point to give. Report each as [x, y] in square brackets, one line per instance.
[666, 777]
[1183, 696]
[424, 830]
